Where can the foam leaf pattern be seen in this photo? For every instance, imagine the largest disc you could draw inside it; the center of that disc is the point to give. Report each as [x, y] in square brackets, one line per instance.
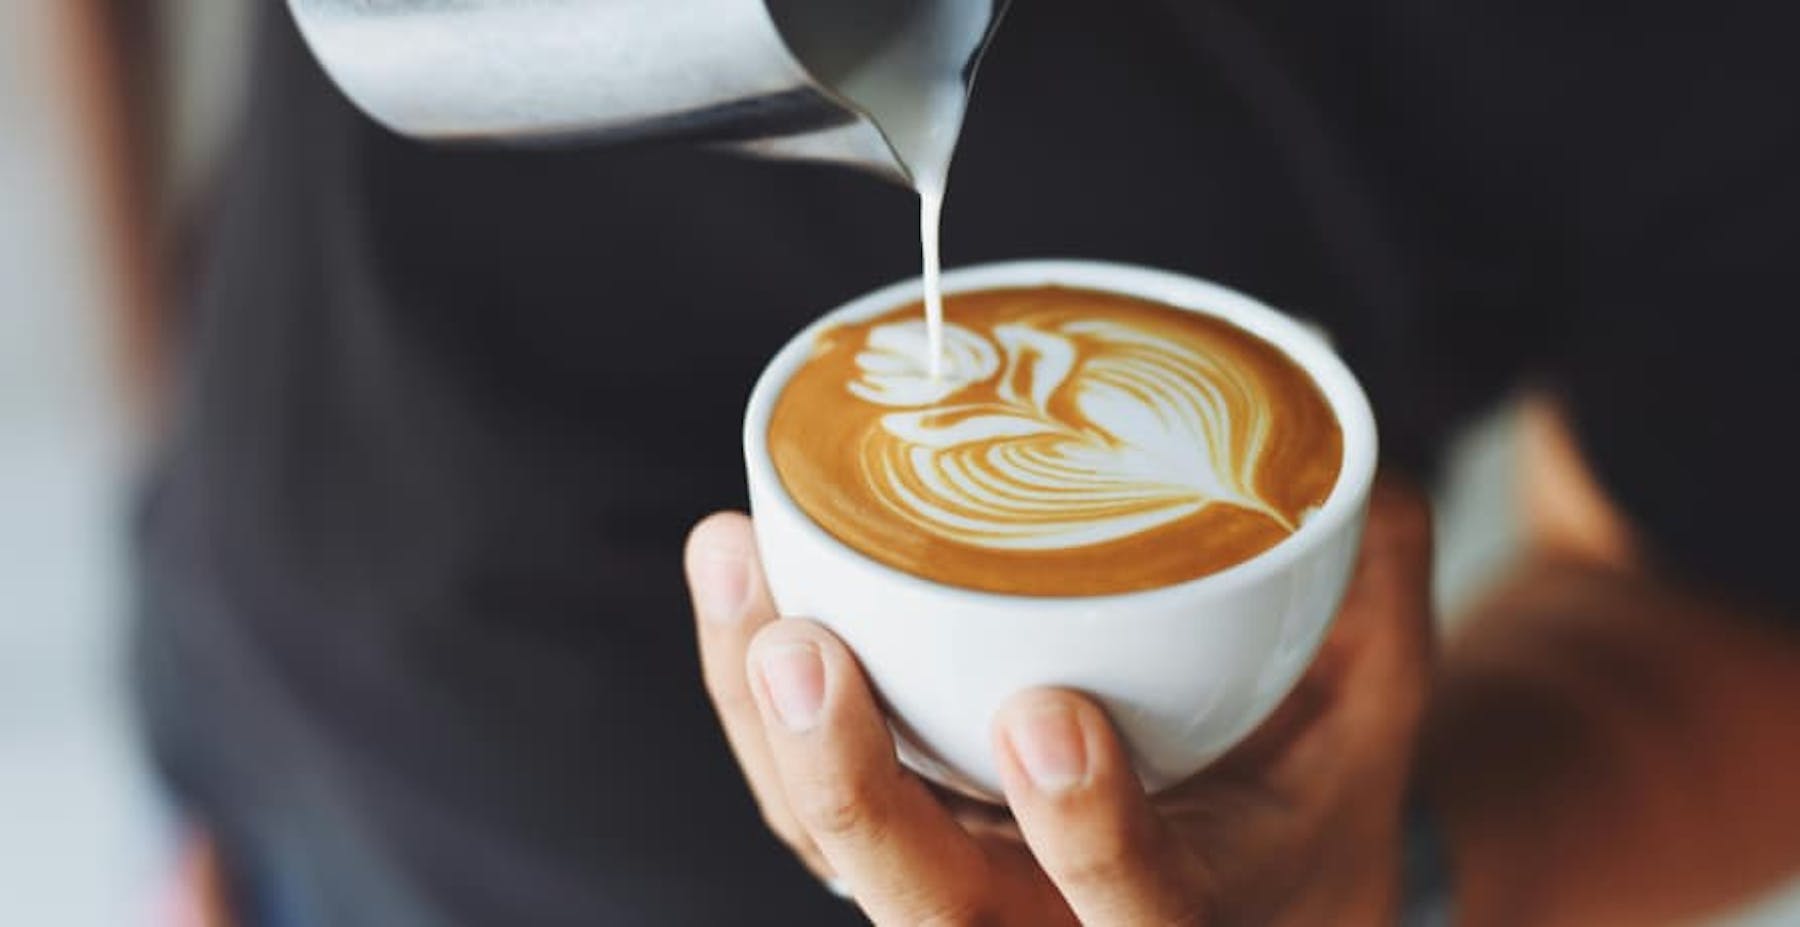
[1094, 431]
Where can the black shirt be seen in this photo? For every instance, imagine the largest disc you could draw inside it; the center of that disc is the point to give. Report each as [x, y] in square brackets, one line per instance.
[415, 633]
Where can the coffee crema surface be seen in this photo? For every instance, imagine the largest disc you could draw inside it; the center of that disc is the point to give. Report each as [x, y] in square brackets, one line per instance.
[1076, 443]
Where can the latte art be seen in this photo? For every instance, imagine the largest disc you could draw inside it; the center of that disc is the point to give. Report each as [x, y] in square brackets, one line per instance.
[1095, 432]
[1072, 443]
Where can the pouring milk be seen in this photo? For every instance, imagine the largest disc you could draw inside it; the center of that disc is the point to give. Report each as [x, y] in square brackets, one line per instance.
[912, 86]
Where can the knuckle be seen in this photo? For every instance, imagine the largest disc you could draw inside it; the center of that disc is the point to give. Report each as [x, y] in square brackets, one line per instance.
[961, 914]
[839, 808]
[1104, 854]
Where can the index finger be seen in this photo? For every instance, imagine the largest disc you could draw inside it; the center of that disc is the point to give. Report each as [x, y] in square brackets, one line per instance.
[731, 603]
[900, 853]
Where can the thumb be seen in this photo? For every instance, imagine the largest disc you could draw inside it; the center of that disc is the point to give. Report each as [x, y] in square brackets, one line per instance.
[1383, 633]
[1085, 816]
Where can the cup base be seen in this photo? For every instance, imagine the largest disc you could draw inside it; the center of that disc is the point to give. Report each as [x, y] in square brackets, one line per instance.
[921, 761]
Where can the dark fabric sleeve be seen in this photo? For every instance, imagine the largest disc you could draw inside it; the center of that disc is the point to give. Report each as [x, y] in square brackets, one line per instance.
[1681, 371]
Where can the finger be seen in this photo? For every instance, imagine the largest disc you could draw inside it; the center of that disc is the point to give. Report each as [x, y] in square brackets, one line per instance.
[1393, 564]
[731, 604]
[1386, 618]
[899, 853]
[1370, 672]
[1085, 817]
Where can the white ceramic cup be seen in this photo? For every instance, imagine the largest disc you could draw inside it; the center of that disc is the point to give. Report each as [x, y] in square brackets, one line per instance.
[1185, 671]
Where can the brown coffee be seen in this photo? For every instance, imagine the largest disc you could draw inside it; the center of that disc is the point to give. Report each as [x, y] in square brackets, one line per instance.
[1075, 443]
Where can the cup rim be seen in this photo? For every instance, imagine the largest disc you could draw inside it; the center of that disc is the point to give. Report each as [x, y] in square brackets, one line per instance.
[1305, 346]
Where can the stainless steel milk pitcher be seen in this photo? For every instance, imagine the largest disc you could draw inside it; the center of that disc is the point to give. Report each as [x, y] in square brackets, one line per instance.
[763, 75]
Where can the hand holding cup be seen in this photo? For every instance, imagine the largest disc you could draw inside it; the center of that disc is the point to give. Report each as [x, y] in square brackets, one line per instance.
[1298, 824]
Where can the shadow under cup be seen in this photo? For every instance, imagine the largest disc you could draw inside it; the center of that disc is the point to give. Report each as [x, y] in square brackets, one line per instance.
[1185, 670]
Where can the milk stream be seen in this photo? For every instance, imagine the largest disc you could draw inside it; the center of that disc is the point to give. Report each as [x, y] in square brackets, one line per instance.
[931, 209]
[912, 88]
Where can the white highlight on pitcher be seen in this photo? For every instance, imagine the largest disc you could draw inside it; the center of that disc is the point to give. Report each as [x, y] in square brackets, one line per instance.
[1011, 473]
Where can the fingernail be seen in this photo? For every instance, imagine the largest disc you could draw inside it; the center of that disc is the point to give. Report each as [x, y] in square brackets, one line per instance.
[1048, 743]
[794, 676]
[721, 585]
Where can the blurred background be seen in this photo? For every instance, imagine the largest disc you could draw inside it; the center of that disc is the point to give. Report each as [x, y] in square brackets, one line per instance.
[84, 839]
[81, 839]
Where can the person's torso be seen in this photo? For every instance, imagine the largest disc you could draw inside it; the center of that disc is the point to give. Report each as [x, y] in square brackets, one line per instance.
[450, 410]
